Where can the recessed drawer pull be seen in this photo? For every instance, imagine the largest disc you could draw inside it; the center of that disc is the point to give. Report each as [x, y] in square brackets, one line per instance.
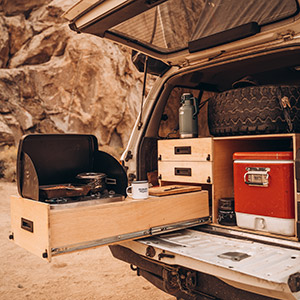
[26, 224]
[183, 150]
[183, 171]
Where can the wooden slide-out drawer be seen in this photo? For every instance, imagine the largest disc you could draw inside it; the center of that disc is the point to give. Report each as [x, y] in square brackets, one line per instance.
[51, 229]
[192, 172]
[197, 149]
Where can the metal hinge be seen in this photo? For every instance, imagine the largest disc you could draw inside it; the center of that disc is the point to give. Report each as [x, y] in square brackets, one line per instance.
[183, 64]
[129, 156]
[289, 35]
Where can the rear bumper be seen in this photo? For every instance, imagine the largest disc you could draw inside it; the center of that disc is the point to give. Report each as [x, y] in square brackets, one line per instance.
[181, 282]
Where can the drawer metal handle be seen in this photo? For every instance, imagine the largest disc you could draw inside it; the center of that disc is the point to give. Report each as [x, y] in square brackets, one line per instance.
[183, 150]
[183, 172]
[26, 224]
[257, 176]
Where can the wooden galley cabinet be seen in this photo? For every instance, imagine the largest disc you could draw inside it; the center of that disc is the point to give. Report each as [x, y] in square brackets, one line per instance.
[186, 160]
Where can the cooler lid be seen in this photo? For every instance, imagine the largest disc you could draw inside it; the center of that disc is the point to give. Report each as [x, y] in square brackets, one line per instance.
[268, 155]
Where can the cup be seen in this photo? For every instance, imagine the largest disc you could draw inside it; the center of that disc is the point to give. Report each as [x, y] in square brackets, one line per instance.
[138, 190]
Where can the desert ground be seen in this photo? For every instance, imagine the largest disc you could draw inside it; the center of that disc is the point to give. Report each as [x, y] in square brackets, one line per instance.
[89, 274]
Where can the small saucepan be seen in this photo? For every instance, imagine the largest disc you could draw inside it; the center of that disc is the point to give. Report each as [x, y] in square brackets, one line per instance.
[97, 181]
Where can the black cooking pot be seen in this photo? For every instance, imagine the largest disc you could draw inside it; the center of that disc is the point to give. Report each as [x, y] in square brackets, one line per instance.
[97, 181]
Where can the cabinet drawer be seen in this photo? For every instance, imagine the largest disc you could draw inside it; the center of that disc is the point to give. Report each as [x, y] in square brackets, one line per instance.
[197, 149]
[193, 172]
[51, 229]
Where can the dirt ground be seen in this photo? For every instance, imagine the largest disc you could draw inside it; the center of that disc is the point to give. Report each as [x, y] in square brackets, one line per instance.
[89, 274]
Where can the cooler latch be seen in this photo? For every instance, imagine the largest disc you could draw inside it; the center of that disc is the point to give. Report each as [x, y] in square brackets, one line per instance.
[257, 176]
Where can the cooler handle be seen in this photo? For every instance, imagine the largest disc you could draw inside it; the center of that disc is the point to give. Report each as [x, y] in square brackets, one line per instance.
[257, 176]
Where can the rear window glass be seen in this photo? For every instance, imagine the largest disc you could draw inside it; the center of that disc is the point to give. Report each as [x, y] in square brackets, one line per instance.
[169, 26]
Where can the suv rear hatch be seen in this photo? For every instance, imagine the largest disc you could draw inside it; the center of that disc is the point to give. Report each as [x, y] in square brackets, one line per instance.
[172, 30]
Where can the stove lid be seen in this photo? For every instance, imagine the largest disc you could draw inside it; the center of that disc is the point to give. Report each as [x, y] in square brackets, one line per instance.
[49, 159]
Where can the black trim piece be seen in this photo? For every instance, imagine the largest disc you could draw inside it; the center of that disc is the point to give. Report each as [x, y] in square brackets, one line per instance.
[254, 237]
[73, 27]
[224, 37]
[155, 67]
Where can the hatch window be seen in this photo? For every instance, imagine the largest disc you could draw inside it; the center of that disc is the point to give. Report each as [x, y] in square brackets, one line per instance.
[169, 27]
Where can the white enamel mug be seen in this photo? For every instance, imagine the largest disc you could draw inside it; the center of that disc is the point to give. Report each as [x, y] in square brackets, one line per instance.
[138, 190]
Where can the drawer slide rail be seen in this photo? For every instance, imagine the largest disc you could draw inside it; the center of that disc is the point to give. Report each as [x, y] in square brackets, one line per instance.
[130, 236]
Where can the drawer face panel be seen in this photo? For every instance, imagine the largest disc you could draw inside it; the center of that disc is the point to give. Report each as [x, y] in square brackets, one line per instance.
[194, 172]
[48, 230]
[197, 149]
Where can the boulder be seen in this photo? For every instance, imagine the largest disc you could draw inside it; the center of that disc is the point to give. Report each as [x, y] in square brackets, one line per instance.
[19, 31]
[15, 7]
[4, 43]
[53, 80]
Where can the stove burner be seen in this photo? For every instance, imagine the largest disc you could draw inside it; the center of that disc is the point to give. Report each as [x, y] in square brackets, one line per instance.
[91, 196]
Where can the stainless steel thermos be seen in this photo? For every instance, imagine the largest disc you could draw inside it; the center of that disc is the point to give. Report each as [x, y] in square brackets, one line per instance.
[188, 116]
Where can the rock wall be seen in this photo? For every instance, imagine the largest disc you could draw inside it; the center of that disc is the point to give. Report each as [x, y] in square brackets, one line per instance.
[53, 80]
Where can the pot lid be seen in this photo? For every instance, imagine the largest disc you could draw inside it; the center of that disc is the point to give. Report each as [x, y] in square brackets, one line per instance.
[91, 176]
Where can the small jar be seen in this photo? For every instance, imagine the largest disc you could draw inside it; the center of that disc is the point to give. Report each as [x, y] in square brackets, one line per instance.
[226, 213]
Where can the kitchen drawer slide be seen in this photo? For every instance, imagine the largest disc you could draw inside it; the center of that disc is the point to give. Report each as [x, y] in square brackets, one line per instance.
[51, 229]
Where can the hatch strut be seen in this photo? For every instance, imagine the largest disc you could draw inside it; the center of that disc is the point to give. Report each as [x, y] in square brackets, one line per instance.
[144, 91]
[146, 67]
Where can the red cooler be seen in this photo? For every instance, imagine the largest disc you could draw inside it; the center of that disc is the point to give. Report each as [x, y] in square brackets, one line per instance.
[264, 191]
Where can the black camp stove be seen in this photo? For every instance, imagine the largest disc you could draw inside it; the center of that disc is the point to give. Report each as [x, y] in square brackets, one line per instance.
[106, 196]
[64, 168]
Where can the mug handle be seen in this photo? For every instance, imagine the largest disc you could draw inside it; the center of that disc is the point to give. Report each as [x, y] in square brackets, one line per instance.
[127, 191]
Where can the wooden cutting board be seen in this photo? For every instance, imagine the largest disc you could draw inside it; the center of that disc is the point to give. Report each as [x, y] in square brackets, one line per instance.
[172, 190]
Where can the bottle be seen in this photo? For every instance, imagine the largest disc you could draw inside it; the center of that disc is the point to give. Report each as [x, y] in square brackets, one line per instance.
[188, 116]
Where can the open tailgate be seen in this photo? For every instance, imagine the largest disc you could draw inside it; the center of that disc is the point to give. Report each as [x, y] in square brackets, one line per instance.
[269, 270]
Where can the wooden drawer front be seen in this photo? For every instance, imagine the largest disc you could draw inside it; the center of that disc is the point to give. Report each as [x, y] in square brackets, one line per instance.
[194, 172]
[47, 230]
[198, 149]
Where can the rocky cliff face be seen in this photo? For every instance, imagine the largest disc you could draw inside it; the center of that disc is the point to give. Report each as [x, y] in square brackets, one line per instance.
[53, 80]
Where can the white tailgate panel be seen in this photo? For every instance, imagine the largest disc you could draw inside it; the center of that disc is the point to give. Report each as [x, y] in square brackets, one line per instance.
[265, 268]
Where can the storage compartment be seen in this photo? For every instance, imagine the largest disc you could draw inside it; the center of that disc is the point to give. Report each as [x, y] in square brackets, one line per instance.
[65, 206]
[209, 162]
[190, 172]
[185, 160]
[264, 191]
[223, 185]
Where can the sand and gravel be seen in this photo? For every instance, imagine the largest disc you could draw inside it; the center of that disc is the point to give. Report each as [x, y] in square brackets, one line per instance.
[89, 274]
